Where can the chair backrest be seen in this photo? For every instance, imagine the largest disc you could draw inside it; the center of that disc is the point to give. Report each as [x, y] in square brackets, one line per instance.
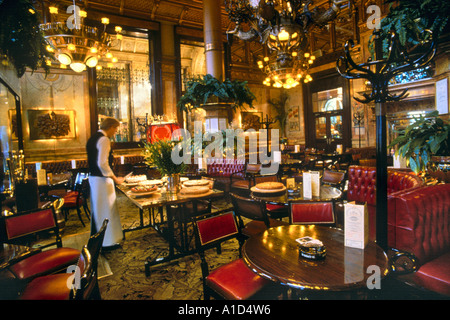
[252, 168]
[250, 209]
[21, 227]
[95, 242]
[215, 228]
[85, 279]
[311, 212]
[334, 178]
[85, 189]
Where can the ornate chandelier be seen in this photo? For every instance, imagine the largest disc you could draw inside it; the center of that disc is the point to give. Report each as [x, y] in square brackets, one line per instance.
[75, 43]
[283, 26]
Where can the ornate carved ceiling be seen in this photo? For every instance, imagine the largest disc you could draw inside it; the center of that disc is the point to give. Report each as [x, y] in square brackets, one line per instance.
[189, 14]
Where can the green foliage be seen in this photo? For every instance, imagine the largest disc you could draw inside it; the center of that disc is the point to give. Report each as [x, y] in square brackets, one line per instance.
[159, 155]
[199, 91]
[21, 40]
[409, 20]
[280, 107]
[425, 137]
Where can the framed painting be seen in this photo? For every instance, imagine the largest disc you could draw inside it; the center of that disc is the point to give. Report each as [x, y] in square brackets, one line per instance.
[51, 124]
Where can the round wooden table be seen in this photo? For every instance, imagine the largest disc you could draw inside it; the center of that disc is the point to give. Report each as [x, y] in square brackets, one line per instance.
[274, 255]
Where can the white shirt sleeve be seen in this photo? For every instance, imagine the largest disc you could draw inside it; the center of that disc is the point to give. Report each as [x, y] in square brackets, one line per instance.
[103, 147]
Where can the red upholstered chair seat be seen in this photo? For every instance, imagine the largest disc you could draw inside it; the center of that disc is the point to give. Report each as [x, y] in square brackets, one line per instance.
[235, 281]
[435, 275]
[71, 200]
[46, 262]
[51, 287]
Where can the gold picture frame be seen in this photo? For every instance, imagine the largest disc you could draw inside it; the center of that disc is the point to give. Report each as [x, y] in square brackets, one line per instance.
[51, 124]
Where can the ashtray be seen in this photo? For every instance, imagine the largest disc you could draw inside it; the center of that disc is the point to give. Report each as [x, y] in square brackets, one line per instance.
[311, 248]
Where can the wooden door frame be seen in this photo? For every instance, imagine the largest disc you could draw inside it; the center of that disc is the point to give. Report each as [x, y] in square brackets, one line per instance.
[326, 80]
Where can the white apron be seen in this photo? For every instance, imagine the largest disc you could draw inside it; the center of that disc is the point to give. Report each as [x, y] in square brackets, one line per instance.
[103, 206]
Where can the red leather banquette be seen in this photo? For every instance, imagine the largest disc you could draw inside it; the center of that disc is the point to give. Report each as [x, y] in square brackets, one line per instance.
[362, 183]
[420, 221]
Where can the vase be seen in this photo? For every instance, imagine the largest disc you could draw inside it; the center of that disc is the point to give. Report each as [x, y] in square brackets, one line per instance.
[173, 183]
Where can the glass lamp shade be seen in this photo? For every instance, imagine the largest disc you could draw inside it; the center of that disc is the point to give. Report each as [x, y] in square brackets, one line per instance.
[64, 58]
[78, 66]
[91, 62]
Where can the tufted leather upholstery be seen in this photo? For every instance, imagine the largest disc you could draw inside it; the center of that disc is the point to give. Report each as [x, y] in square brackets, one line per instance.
[222, 170]
[421, 225]
[362, 182]
[361, 189]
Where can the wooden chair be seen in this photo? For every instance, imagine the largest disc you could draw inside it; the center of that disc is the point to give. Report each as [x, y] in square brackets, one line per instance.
[311, 212]
[256, 212]
[25, 227]
[334, 178]
[77, 198]
[234, 280]
[53, 260]
[84, 283]
[55, 286]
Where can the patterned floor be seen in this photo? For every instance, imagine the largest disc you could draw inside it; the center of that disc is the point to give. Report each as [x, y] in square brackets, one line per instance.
[177, 280]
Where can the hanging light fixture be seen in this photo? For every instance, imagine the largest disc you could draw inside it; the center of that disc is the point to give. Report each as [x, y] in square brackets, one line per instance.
[283, 26]
[75, 43]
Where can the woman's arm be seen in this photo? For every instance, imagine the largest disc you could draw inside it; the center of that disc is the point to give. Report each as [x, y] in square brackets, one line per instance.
[104, 146]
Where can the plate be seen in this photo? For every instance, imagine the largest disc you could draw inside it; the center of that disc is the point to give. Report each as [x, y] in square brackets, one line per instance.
[196, 183]
[255, 189]
[268, 193]
[150, 182]
[130, 184]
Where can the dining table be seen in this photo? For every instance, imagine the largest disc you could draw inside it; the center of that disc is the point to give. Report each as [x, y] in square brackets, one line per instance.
[326, 192]
[274, 254]
[163, 219]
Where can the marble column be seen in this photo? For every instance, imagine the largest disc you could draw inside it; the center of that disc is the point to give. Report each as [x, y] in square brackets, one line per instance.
[217, 114]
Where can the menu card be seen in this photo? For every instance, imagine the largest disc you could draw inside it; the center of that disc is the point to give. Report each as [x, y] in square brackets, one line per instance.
[307, 191]
[315, 183]
[356, 225]
[311, 184]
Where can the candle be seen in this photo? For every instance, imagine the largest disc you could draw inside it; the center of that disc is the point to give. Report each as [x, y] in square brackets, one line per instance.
[74, 164]
[122, 160]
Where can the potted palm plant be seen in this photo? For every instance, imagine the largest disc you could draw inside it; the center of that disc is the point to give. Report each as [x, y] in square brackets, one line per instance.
[423, 142]
[207, 90]
[159, 155]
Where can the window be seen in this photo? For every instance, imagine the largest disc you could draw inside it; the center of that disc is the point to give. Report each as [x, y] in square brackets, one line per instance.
[124, 88]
